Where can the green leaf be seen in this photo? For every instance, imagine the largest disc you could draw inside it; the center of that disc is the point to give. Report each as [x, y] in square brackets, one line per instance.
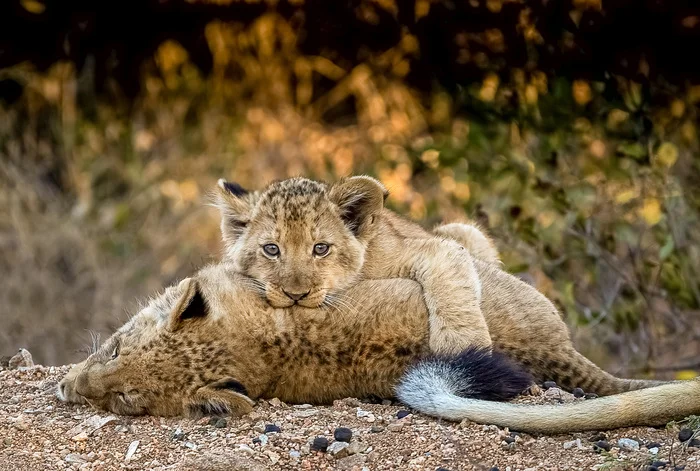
[632, 149]
[667, 249]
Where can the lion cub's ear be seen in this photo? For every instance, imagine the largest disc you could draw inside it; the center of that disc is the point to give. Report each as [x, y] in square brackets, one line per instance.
[235, 204]
[190, 305]
[225, 396]
[360, 200]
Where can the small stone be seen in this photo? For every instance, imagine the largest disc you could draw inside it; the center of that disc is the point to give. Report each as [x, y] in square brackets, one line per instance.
[362, 413]
[272, 428]
[376, 429]
[445, 469]
[402, 413]
[263, 439]
[221, 423]
[74, 458]
[653, 450]
[23, 359]
[305, 413]
[512, 440]
[652, 468]
[395, 427]
[357, 447]
[131, 450]
[294, 454]
[21, 424]
[651, 445]
[274, 457]
[81, 437]
[628, 444]
[91, 424]
[695, 443]
[553, 393]
[601, 445]
[342, 434]
[339, 449]
[549, 384]
[386, 402]
[191, 445]
[659, 464]
[591, 396]
[275, 402]
[7, 441]
[572, 443]
[578, 392]
[320, 444]
[246, 449]
[178, 434]
[685, 434]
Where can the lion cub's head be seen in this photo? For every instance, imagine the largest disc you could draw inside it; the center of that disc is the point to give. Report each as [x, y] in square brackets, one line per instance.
[300, 241]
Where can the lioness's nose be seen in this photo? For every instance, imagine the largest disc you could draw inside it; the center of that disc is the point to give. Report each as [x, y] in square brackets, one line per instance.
[296, 296]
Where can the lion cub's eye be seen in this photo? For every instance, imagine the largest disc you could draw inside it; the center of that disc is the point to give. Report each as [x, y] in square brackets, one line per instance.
[271, 250]
[321, 250]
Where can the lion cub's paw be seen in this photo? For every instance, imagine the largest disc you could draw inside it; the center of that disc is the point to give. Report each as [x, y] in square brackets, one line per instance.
[453, 342]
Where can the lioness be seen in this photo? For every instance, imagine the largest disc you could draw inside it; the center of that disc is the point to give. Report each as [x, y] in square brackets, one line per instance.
[273, 237]
[212, 344]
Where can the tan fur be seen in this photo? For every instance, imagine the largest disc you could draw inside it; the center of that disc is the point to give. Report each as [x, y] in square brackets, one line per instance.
[366, 242]
[470, 300]
[212, 345]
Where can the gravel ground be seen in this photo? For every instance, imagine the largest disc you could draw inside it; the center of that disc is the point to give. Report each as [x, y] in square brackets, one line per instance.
[39, 432]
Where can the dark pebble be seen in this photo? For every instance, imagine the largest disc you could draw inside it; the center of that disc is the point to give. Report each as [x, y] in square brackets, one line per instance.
[320, 444]
[272, 428]
[402, 413]
[495, 468]
[680, 467]
[685, 434]
[591, 395]
[257, 440]
[220, 423]
[578, 392]
[659, 464]
[514, 434]
[652, 468]
[653, 445]
[442, 469]
[601, 445]
[342, 434]
[549, 384]
[598, 437]
[509, 440]
[695, 443]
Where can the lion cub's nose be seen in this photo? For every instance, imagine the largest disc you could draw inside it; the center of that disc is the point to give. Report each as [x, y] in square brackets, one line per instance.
[296, 296]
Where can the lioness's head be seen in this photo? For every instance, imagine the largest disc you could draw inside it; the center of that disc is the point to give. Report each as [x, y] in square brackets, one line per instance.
[174, 357]
[300, 240]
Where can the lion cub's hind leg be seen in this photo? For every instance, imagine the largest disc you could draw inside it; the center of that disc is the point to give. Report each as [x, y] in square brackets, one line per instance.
[473, 238]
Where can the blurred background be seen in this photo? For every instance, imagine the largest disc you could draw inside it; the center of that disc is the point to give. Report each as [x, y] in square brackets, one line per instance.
[569, 129]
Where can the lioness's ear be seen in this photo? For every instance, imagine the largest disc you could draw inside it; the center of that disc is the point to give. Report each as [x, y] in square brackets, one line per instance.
[225, 396]
[360, 200]
[235, 204]
[190, 305]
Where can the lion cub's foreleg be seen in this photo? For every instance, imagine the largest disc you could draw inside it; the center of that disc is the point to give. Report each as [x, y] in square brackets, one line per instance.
[451, 289]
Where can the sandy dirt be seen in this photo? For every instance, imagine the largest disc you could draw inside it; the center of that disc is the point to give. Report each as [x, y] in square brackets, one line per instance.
[38, 432]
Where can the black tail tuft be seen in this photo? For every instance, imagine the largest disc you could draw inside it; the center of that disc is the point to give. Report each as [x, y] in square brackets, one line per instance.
[480, 374]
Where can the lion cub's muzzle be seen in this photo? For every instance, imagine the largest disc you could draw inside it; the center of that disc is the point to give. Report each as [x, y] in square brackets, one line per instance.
[282, 298]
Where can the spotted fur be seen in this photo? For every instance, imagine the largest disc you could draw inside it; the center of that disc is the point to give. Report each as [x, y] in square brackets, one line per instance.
[177, 358]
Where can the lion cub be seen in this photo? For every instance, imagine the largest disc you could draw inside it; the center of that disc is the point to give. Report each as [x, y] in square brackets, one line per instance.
[304, 242]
